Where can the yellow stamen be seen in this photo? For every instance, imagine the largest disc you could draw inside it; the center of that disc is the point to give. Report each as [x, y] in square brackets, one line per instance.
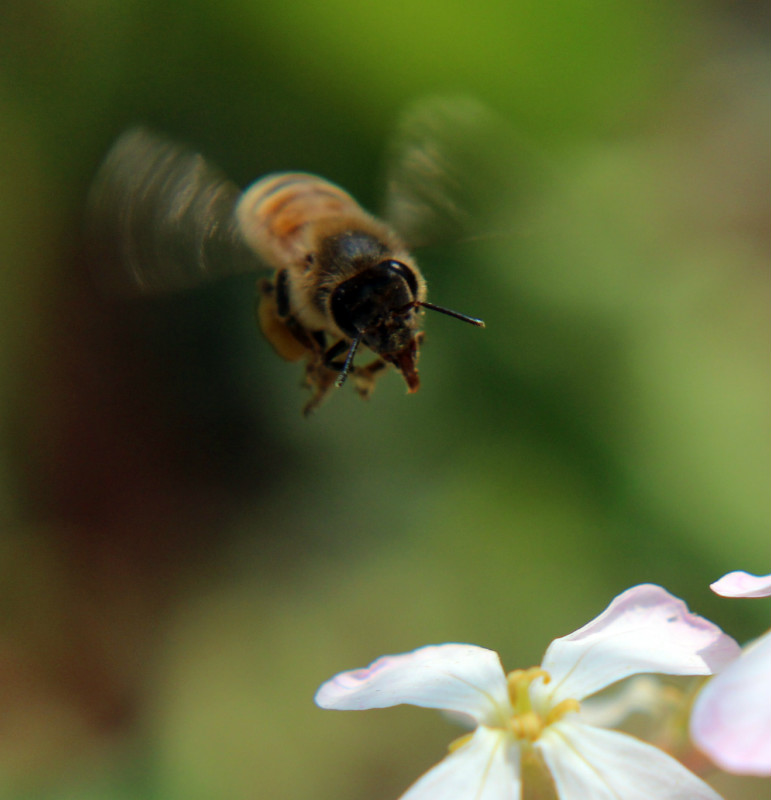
[519, 683]
[525, 723]
[559, 711]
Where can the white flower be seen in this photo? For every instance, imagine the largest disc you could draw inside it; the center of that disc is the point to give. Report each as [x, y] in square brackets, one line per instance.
[731, 720]
[534, 716]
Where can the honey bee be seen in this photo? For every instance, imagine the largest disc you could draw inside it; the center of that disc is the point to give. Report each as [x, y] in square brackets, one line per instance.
[343, 279]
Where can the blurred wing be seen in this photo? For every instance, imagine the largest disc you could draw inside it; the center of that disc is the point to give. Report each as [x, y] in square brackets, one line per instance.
[450, 167]
[160, 218]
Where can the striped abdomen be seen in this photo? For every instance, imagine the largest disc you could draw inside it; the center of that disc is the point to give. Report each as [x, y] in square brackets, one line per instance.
[279, 214]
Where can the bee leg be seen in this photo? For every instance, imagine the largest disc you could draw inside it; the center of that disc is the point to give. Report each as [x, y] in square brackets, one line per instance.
[319, 379]
[333, 352]
[320, 372]
[324, 367]
[284, 335]
[364, 377]
[293, 342]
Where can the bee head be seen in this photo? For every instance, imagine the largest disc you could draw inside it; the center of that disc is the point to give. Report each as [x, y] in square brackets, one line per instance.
[378, 304]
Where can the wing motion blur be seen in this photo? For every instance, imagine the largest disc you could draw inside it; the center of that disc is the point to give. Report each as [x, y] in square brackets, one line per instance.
[449, 166]
[162, 219]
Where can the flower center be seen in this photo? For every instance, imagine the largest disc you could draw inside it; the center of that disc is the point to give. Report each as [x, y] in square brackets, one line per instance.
[527, 723]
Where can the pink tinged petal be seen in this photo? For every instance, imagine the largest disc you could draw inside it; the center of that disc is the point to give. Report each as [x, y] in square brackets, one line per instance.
[588, 762]
[453, 677]
[742, 584]
[485, 768]
[645, 629]
[731, 720]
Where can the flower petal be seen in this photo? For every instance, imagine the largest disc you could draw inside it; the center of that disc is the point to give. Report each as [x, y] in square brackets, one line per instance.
[485, 768]
[742, 584]
[642, 694]
[645, 629]
[731, 720]
[453, 677]
[607, 765]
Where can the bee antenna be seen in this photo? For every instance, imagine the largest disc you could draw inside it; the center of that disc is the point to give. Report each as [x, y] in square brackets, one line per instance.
[456, 314]
[349, 359]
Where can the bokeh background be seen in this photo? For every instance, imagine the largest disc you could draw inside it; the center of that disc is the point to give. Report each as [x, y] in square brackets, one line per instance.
[184, 558]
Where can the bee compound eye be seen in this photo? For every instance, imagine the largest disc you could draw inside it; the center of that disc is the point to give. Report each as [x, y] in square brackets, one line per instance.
[343, 316]
[353, 305]
[403, 271]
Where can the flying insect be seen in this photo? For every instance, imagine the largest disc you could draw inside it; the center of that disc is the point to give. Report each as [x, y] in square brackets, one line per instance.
[342, 280]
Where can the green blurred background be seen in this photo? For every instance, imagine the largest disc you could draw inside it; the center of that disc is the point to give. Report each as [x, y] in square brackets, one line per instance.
[184, 558]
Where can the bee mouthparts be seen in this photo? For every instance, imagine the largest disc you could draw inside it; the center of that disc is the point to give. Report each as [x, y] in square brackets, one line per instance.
[405, 363]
